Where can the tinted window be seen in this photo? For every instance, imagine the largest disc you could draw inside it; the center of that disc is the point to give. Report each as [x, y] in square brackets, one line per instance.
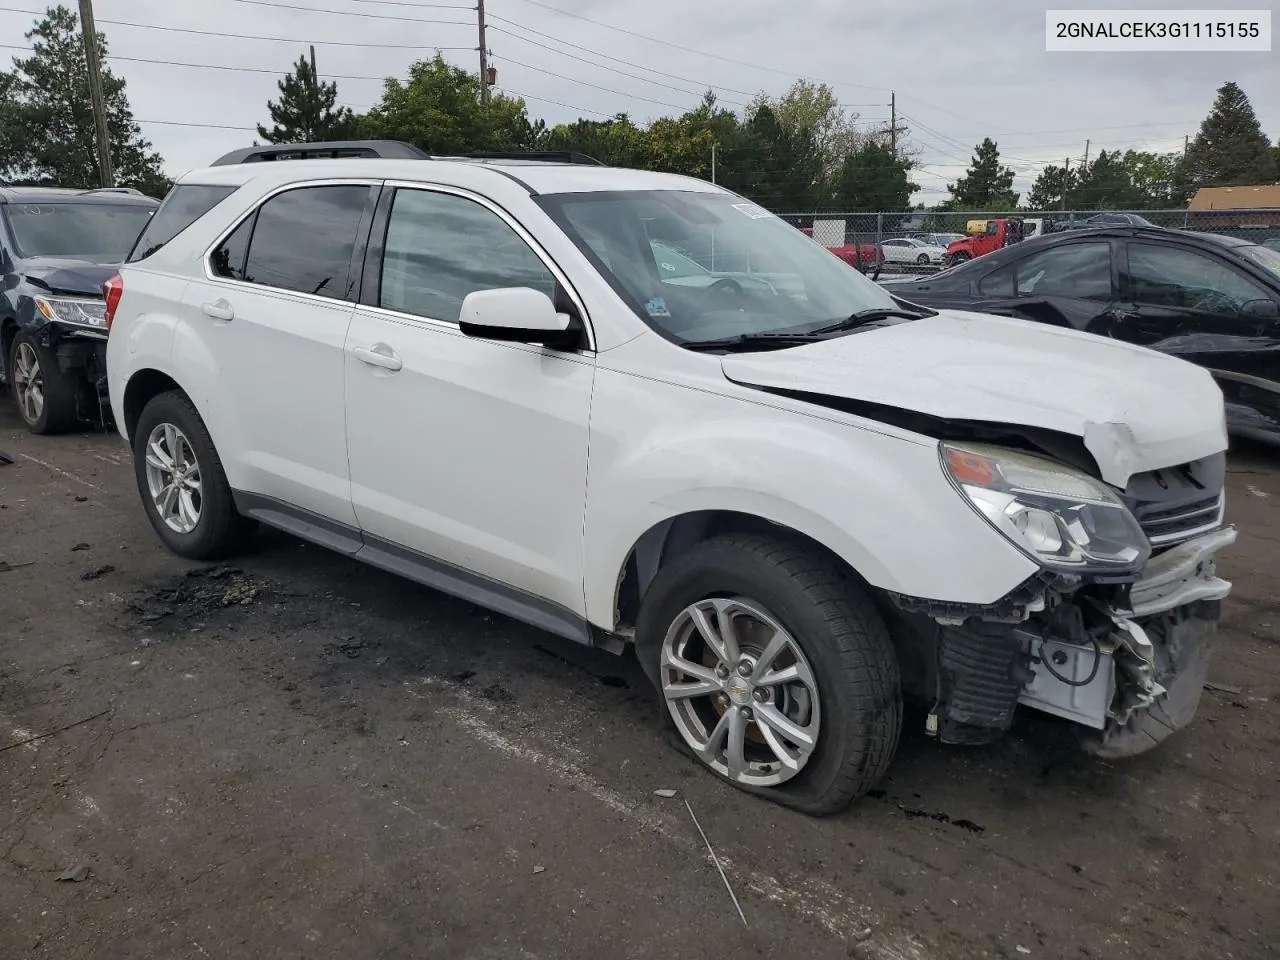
[228, 260]
[441, 247]
[1183, 279]
[185, 204]
[303, 240]
[1081, 271]
[101, 232]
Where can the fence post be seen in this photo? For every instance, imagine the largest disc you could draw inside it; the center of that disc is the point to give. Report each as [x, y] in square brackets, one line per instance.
[879, 233]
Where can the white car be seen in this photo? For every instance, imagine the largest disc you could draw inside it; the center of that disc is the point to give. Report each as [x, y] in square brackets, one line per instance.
[800, 500]
[911, 250]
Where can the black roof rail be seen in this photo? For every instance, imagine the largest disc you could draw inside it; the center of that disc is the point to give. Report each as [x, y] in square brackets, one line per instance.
[543, 156]
[378, 149]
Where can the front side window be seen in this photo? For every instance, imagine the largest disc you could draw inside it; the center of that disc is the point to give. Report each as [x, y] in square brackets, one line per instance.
[98, 232]
[1167, 276]
[759, 274]
[185, 204]
[1079, 271]
[302, 240]
[441, 247]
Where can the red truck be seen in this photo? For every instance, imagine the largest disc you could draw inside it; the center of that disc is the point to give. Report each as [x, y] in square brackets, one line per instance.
[987, 236]
[863, 256]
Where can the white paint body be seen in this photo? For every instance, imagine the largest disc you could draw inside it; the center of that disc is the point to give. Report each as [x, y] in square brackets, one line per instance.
[540, 469]
[910, 250]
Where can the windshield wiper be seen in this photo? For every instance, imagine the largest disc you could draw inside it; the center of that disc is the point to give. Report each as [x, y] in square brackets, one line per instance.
[775, 339]
[863, 317]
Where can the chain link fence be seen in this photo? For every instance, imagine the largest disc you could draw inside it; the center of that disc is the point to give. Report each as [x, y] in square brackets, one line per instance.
[864, 235]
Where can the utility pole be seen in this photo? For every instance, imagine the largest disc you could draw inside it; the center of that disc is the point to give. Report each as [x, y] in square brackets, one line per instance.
[89, 34]
[1186, 142]
[713, 163]
[1085, 165]
[893, 123]
[315, 92]
[484, 53]
[1066, 181]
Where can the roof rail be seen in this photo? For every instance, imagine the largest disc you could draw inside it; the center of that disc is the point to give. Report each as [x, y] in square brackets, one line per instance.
[379, 149]
[131, 191]
[544, 156]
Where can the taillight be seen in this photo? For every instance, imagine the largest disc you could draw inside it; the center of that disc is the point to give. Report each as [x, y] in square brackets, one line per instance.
[112, 291]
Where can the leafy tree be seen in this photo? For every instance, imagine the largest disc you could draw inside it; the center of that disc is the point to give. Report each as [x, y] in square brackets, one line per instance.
[815, 108]
[1107, 184]
[439, 109]
[790, 175]
[873, 179]
[1049, 187]
[616, 142]
[1230, 148]
[48, 134]
[1153, 176]
[986, 185]
[307, 110]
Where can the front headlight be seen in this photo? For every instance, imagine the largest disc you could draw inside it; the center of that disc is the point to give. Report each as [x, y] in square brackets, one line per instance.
[78, 312]
[1062, 518]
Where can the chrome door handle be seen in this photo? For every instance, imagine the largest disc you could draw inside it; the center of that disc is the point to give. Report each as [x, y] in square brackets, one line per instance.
[379, 355]
[218, 310]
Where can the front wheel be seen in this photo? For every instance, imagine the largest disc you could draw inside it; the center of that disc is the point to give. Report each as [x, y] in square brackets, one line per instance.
[44, 392]
[774, 669]
[923, 259]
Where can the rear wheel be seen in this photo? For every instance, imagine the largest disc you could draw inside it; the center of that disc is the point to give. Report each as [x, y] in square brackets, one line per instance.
[184, 490]
[923, 259]
[774, 670]
[44, 393]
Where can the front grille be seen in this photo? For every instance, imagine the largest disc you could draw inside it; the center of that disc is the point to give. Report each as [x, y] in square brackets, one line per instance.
[1168, 526]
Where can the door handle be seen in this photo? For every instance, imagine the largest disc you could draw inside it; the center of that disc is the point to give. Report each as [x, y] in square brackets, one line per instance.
[218, 310]
[379, 355]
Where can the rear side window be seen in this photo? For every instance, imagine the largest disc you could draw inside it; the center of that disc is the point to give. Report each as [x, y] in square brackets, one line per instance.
[302, 240]
[1079, 271]
[185, 204]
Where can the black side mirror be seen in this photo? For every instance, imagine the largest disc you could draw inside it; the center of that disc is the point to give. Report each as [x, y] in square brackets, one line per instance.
[1260, 310]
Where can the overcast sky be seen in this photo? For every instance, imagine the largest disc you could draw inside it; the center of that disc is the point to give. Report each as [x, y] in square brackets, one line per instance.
[962, 69]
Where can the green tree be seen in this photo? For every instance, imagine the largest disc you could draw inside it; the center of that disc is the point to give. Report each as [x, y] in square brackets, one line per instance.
[307, 111]
[617, 141]
[439, 109]
[986, 185]
[48, 132]
[873, 179]
[1047, 191]
[1153, 176]
[813, 109]
[790, 172]
[1230, 148]
[1107, 184]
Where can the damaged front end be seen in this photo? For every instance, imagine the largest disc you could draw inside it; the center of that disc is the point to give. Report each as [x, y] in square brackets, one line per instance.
[1122, 652]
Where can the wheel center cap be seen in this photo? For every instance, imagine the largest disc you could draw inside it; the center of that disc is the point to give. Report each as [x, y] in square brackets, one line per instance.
[738, 689]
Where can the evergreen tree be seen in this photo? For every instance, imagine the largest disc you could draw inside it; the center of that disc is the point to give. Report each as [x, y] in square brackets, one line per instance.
[986, 185]
[1049, 187]
[1230, 148]
[47, 131]
[307, 110]
[873, 179]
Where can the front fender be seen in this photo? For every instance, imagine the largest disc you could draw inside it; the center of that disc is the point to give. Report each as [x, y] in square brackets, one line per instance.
[878, 500]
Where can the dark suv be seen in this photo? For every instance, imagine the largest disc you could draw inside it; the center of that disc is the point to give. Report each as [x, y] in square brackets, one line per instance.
[57, 248]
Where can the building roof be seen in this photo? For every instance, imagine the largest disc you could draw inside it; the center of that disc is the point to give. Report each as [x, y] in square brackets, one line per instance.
[1262, 196]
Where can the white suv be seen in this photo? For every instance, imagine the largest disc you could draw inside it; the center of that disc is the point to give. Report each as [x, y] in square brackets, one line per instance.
[797, 497]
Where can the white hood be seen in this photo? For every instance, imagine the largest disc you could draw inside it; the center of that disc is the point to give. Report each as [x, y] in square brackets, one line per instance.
[1135, 409]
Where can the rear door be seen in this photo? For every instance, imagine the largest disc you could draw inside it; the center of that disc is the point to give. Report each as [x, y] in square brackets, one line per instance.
[1066, 284]
[266, 325]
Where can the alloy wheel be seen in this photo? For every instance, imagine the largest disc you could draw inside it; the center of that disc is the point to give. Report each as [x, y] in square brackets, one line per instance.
[173, 478]
[28, 382]
[740, 691]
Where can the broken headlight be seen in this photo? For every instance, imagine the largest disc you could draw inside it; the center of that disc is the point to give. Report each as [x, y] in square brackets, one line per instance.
[77, 312]
[1060, 517]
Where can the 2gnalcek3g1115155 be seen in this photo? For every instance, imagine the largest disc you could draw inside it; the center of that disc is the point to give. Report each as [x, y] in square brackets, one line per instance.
[799, 498]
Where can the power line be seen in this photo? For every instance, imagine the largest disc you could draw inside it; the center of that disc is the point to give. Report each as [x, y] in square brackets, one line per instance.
[355, 13]
[561, 76]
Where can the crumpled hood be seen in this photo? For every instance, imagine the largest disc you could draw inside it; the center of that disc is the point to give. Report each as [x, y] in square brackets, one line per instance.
[75, 277]
[1135, 409]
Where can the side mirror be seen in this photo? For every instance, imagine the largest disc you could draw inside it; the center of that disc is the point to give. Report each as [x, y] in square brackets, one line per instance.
[1260, 310]
[519, 314]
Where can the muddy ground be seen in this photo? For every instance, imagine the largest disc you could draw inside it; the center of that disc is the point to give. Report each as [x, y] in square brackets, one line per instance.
[303, 757]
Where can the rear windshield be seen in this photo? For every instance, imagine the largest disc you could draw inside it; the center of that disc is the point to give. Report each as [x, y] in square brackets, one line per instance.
[100, 232]
[185, 204]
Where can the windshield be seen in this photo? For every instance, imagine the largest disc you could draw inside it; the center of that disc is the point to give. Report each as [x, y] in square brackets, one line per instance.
[100, 232]
[756, 273]
[1264, 257]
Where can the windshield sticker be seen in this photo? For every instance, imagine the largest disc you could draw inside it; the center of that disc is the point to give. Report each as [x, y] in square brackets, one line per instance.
[657, 307]
[752, 211]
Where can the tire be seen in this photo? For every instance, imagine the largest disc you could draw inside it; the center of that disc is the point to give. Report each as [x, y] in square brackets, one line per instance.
[960, 258]
[49, 407]
[843, 645]
[208, 525]
[923, 259]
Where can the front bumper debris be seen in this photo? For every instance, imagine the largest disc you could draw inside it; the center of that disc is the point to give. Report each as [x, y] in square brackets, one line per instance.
[1131, 672]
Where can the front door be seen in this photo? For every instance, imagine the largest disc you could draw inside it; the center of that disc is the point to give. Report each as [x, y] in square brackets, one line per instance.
[468, 456]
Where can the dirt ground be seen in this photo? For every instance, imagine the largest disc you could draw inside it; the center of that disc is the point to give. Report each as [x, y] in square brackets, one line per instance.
[303, 757]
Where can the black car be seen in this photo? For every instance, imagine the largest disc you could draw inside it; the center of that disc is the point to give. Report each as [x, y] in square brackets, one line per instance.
[57, 248]
[1104, 220]
[1209, 299]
